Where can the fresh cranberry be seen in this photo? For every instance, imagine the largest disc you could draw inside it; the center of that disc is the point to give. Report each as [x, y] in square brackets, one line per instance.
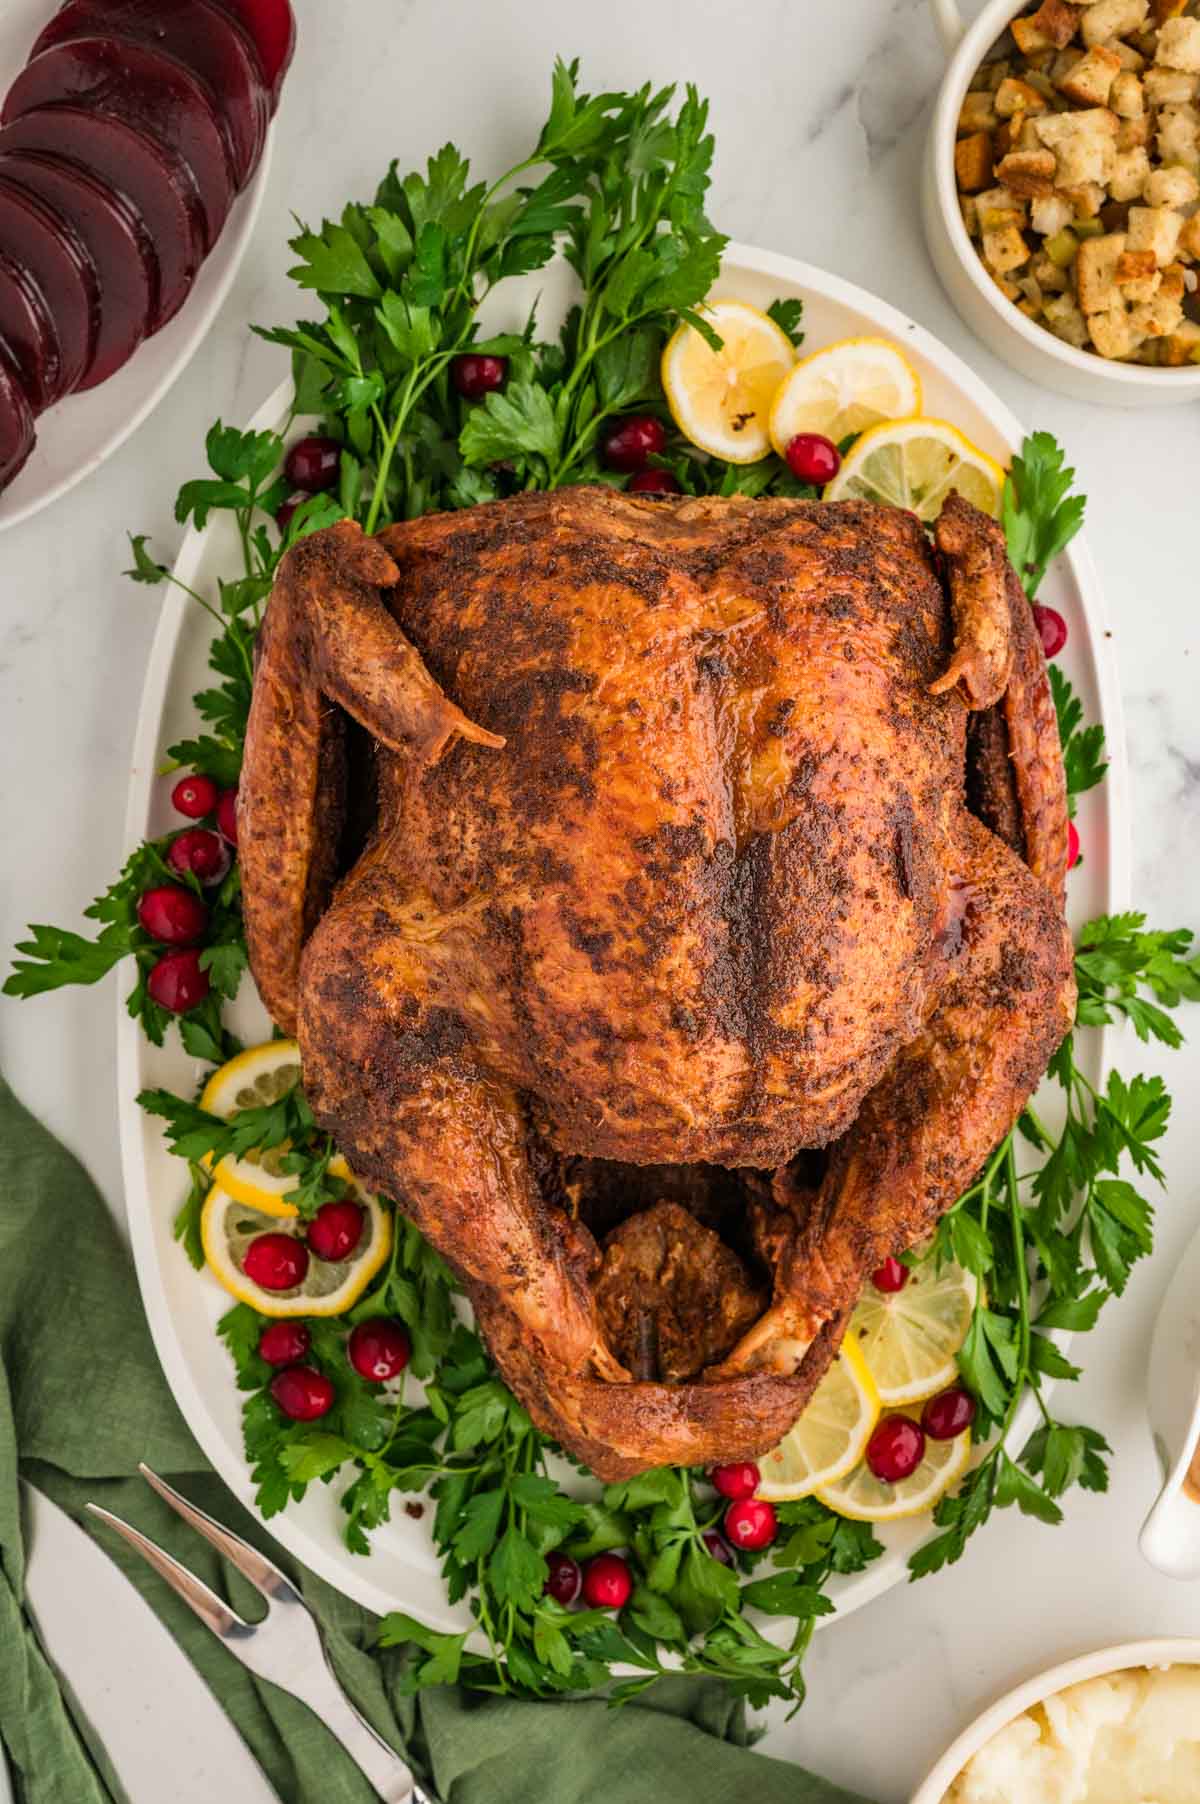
[194, 796]
[336, 1229]
[811, 457]
[718, 1546]
[654, 482]
[302, 1393]
[1072, 846]
[227, 815]
[201, 853]
[177, 982]
[750, 1524]
[631, 441]
[607, 1582]
[284, 1343]
[564, 1579]
[478, 374]
[276, 1261]
[313, 464]
[1052, 629]
[738, 1479]
[896, 1449]
[176, 916]
[947, 1414]
[285, 510]
[379, 1350]
[890, 1277]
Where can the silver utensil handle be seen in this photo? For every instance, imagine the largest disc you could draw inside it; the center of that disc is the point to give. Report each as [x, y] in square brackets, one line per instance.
[382, 1766]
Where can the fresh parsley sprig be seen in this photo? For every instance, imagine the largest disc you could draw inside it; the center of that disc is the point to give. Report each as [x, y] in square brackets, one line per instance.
[1039, 513]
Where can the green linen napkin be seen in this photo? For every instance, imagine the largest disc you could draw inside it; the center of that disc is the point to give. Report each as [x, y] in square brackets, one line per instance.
[82, 1399]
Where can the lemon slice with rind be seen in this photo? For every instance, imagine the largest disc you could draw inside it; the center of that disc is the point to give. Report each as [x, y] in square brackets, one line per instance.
[830, 1437]
[865, 1498]
[909, 1338]
[256, 1077]
[329, 1287]
[918, 464]
[842, 389]
[721, 400]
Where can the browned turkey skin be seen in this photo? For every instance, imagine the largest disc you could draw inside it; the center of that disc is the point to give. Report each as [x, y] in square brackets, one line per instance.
[663, 873]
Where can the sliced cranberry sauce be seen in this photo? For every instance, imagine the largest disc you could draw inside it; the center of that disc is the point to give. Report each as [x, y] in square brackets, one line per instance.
[116, 241]
[272, 26]
[149, 89]
[198, 34]
[153, 179]
[28, 334]
[41, 242]
[16, 423]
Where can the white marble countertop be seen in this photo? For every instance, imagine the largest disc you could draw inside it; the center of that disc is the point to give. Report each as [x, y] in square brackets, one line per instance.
[819, 118]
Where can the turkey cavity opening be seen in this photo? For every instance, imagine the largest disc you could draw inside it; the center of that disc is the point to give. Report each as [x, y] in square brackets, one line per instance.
[684, 1253]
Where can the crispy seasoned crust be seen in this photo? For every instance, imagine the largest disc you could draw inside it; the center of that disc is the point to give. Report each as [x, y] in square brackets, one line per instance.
[670, 866]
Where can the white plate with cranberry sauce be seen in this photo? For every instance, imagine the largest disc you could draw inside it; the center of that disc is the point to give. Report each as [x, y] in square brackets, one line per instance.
[134, 148]
[184, 1305]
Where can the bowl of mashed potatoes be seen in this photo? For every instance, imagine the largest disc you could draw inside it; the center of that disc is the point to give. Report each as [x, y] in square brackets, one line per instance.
[1120, 1726]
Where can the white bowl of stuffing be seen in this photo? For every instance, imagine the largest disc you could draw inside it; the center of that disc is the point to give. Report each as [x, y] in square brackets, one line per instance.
[1062, 192]
[1119, 1726]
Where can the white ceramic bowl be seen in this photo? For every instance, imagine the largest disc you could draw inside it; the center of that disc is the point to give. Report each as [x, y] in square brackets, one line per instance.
[1169, 1651]
[1031, 349]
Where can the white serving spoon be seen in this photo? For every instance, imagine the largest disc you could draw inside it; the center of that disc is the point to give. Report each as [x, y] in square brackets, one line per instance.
[1170, 1537]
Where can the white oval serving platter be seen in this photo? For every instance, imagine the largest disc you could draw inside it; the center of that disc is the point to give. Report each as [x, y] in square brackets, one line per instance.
[183, 1305]
[77, 434]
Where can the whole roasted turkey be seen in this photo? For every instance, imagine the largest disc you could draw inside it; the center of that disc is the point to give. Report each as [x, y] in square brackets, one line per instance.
[667, 896]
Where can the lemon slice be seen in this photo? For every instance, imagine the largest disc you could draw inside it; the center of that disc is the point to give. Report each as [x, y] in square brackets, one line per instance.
[260, 1075]
[329, 1287]
[865, 1498]
[917, 464]
[909, 1338]
[842, 389]
[721, 400]
[831, 1435]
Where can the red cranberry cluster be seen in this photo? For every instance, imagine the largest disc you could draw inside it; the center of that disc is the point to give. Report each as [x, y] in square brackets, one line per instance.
[175, 915]
[378, 1349]
[312, 465]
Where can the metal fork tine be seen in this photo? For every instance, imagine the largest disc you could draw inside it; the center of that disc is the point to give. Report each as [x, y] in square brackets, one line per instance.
[211, 1609]
[261, 1572]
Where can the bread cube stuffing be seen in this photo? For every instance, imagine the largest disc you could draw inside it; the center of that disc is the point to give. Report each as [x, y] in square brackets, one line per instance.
[1179, 45]
[1130, 172]
[1189, 238]
[1090, 81]
[1028, 172]
[1083, 143]
[1112, 332]
[1170, 87]
[1178, 137]
[1155, 229]
[1049, 213]
[1004, 249]
[973, 162]
[1109, 19]
[1096, 272]
[1066, 321]
[1086, 199]
[977, 114]
[1015, 96]
[1174, 187]
[1127, 98]
[1078, 163]
[1157, 318]
[1182, 345]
